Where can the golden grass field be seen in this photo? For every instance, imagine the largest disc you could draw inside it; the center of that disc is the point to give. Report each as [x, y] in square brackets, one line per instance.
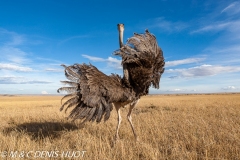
[169, 127]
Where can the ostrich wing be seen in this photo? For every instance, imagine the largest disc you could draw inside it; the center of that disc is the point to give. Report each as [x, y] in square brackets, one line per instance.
[144, 61]
[91, 92]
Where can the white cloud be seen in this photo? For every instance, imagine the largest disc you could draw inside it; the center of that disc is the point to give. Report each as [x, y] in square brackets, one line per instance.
[203, 70]
[13, 54]
[219, 26]
[226, 53]
[44, 92]
[10, 50]
[232, 8]
[94, 59]
[176, 90]
[228, 21]
[114, 62]
[20, 80]
[14, 67]
[111, 62]
[229, 88]
[21, 69]
[183, 61]
[229, 49]
[15, 38]
[173, 77]
[54, 70]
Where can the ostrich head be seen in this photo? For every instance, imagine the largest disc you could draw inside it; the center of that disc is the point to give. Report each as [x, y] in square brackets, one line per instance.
[120, 31]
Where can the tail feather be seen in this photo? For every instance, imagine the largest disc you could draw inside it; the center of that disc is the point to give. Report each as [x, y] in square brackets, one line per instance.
[99, 113]
[84, 113]
[70, 102]
[74, 84]
[67, 89]
[68, 96]
[90, 114]
[92, 92]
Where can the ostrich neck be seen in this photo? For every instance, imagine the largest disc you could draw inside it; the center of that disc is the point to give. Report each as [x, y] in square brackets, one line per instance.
[121, 39]
[125, 71]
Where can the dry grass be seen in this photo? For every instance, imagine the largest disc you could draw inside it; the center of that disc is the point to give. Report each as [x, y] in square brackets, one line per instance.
[169, 127]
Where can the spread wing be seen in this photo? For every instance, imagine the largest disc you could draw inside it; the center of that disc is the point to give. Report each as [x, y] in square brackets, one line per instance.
[91, 92]
[144, 62]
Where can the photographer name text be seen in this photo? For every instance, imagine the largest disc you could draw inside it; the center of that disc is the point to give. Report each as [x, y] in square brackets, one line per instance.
[42, 154]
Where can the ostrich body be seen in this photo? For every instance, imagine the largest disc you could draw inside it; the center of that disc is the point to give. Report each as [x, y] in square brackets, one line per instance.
[93, 94]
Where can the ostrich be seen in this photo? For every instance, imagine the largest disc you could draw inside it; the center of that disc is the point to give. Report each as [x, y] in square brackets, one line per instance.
[93, 94]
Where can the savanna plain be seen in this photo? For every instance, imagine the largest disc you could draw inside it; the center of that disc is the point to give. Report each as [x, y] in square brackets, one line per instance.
[168, 126]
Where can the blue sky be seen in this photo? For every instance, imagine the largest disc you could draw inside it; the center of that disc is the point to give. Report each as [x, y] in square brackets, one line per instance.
[200, 41]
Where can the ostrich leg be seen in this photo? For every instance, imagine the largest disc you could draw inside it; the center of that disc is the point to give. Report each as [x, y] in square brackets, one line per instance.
[118, 106]
[132, 105]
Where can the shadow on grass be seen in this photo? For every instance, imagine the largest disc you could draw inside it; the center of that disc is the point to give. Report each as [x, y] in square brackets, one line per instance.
[41, 130]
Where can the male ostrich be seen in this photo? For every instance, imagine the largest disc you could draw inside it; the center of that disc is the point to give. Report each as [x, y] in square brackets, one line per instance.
[92, 93]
